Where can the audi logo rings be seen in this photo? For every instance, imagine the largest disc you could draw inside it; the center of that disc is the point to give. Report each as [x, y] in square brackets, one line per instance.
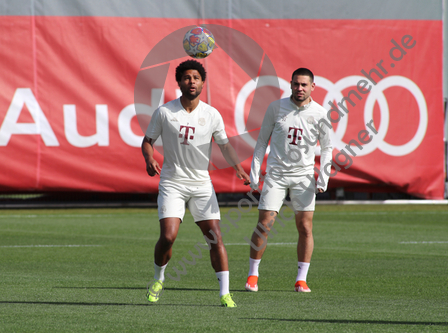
[334, 93]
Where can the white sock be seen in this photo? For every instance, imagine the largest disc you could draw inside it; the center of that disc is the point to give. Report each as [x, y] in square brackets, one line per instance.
[253, 266]
[159, 272]
[223, 278]
[302, 271]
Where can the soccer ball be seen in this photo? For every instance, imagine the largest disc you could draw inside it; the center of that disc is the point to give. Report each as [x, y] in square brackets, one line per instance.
[199, 42]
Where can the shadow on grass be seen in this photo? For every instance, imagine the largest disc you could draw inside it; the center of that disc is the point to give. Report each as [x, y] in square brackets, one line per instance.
[135, 288]
[346, 321]
[167, 288]
[104, 304]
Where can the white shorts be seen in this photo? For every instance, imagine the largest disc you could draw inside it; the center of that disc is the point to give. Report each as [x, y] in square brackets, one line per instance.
[201, 201]
[302, 192]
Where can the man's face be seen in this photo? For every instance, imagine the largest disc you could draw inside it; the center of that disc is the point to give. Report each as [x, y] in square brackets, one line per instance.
[191, 84]
[301, 87]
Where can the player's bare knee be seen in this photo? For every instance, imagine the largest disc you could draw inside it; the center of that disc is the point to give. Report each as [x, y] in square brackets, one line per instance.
[264, 226]
[213, 234]
[305, 230]
[213, 238]
[167, 241]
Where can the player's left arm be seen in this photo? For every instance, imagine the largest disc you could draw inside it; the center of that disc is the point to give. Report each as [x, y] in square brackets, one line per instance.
[230, 155]
[232, 158]
[325, 158]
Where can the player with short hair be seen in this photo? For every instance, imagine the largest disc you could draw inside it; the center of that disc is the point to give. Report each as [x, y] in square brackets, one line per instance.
[187, 126]
[293, 127]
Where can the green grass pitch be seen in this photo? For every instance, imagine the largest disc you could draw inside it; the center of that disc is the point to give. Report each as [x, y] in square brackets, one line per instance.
[375, 268]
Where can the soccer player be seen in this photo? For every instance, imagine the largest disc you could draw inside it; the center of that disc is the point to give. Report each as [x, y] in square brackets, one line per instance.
[187, 126]
[294, 125]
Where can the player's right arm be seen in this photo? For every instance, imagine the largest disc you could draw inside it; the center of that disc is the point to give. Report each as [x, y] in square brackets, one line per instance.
[153, 131]
[152, 166]
[260, 148]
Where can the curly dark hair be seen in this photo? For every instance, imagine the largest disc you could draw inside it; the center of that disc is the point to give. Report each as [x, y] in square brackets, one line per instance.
[189, 64]
[304, 72]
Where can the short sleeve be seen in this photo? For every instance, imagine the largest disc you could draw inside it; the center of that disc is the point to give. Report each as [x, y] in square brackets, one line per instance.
[219, 132]
[154, 129]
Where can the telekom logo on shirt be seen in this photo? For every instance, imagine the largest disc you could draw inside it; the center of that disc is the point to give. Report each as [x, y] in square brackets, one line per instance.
[294, 135]
[185, 135]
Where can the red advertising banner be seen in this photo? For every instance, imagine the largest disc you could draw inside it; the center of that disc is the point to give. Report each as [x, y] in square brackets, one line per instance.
[69, 96]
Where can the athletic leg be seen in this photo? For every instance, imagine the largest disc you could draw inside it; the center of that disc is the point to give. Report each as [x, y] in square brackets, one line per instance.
[259, 238]
[169, 227]
[305, 246]
[258, 245]
[271, 200]
[218, 254]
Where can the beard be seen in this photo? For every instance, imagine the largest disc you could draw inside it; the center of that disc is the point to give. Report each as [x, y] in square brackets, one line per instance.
[189, 95]
[299, 98]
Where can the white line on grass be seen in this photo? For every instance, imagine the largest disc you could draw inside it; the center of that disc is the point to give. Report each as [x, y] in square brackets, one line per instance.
[380, 213]
[50, 245]
[56, 215]
[380, 202]
[230, 244]
[426, 242]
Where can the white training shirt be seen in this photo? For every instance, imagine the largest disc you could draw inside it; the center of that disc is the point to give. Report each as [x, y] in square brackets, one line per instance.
[187, 140]
[294, 132]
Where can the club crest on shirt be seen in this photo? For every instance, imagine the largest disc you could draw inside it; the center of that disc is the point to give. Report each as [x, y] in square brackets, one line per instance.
[174, 119]
[310, 120]
[201, 121]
